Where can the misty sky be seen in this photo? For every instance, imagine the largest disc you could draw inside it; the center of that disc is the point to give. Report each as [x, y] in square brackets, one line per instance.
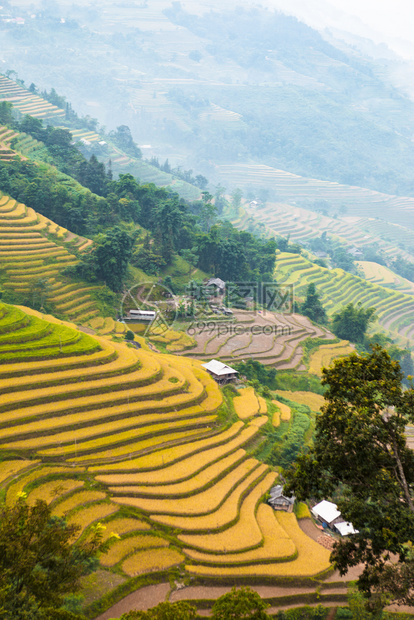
[388, 21]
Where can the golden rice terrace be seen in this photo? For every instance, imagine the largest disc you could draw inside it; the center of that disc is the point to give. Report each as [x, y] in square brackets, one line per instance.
[143, 444]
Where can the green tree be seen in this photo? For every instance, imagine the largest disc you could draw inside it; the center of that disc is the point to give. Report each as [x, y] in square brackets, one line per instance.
[236, 198]
[312, 306]
[191, 257]
[361, 458]
[180, 610]
[351, 323]
[6, 116]
[112, 254]
[39, 562]
[242, 604]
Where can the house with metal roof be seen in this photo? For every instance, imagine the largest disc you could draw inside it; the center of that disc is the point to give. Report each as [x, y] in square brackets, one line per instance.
[278, 501]
[326, 512]
[220, 372]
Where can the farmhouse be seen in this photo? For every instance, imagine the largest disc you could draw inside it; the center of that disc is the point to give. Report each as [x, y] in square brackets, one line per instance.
[220, 372]
[278, 501]
[345, 529]
[144, 316]
[217, 286]
[327, 513]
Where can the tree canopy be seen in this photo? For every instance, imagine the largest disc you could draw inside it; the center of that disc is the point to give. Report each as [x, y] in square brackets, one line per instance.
[351, 323]
[360, 459]
[242, 604]
[312, 306]
[39, 562]
[181, 610]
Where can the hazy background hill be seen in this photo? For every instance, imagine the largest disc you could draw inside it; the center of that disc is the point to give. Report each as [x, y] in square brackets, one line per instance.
[202, 85]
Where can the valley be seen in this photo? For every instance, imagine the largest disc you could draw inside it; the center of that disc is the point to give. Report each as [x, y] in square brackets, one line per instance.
[235, 151]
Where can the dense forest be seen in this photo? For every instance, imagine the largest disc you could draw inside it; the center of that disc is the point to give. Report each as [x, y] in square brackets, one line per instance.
[172, 224]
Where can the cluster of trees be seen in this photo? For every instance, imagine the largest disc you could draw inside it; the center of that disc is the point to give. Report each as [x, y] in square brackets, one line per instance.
[360, 458]
[351, 323]
[258, 373]
[338, 253]
[122, 137]
[241, 604]
[40, 565]
[173, 225]
[109, 258]
[312, 306]
[186, 175]
[404, 268]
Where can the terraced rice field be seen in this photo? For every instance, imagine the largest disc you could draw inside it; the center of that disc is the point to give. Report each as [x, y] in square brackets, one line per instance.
[323, 357]
[220, 115]
[99, 430]
[292, 188]
[26, 102]
[246, 404]
[379, 274]
[336, 288]
[314, 401]
[272, 338]
[32, 256]
[285, 411]
[301, 225]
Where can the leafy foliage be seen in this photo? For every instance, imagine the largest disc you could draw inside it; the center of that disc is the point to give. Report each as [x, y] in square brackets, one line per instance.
[360, 453]
[312, 306]
[255, 371]
[242, 604]
[404, 268]
[352, 322]
[39, 563]
[285, 452]
[180, 610]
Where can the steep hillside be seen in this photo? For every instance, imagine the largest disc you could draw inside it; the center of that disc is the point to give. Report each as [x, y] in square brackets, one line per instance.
[337, 288]
[373, 208]
[25, 102]
[33, 253]
[144, 444]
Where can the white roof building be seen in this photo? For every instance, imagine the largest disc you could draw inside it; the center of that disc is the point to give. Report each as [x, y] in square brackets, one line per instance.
[326, 511]
[221, 372]
[345, 529]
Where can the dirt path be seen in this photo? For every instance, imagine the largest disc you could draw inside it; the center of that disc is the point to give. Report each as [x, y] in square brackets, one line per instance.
[152, 595]
[142, 599]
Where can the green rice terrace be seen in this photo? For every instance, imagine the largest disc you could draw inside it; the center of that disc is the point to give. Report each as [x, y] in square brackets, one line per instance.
[26, 102]
[394, 309]
[149, 447]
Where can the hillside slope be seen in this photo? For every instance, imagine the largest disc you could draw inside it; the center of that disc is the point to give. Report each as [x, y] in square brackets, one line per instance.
[33, 253]
[206, 82]
[34, 105]
[133, 439]
[394, 309]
